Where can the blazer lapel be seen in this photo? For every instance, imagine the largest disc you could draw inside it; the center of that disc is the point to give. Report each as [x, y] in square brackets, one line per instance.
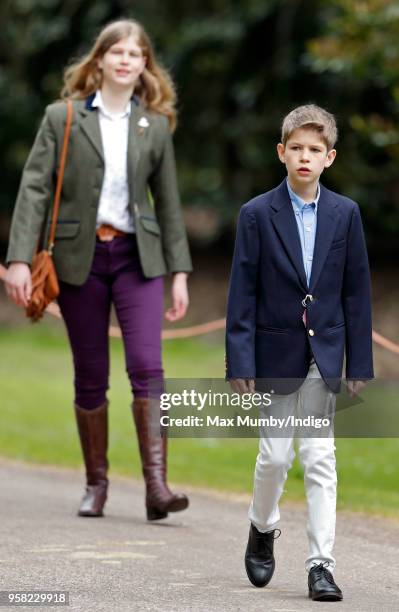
[133, 146]
[326, 225]
[286, 227]
[91, 127]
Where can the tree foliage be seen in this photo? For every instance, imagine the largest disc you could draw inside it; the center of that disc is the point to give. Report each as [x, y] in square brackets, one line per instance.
[359, 49]
[240, 65]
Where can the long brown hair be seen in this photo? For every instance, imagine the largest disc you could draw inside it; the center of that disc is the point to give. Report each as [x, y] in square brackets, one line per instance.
[154, 87]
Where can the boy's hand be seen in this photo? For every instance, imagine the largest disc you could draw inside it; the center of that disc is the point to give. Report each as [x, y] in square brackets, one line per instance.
[242, 385]
[355, 386]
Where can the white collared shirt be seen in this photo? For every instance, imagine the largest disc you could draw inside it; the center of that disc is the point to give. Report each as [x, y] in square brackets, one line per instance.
[113, 208]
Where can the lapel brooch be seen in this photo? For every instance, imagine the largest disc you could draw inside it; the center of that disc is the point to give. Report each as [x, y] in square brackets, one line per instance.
[143, 123]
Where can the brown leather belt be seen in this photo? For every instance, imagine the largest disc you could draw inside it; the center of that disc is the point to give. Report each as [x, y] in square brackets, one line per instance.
[106, 233]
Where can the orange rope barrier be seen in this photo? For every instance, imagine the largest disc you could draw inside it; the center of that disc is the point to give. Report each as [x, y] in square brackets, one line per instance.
[203, 328]
[167, 334]
[385, 343]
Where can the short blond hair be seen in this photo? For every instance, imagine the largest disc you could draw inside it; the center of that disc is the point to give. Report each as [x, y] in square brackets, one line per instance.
[312, 117]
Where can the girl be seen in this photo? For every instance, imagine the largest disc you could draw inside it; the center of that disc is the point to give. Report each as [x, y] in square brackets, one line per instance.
[119, 231]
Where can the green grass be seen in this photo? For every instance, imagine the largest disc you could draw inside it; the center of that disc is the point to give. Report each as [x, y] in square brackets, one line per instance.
[37, 423]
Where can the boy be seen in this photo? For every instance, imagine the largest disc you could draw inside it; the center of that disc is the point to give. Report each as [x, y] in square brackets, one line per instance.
[299, 295]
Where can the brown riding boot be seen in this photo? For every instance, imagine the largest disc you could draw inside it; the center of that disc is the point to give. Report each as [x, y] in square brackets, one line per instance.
[159, 498]
[93, 432]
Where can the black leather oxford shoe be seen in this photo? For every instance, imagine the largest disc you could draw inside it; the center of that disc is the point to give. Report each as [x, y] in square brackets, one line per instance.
[321, 584]
[259, 558]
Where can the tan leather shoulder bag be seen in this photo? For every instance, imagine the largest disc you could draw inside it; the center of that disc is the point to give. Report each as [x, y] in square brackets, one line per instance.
[45, 286]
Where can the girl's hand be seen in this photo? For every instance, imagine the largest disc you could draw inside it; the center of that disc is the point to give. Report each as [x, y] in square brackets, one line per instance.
[180, 299]
[18, 283]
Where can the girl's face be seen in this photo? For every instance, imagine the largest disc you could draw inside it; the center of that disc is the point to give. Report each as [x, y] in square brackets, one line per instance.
[123, 63]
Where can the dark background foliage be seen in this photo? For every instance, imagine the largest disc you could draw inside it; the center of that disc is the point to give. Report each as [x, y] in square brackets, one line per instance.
[239, 65]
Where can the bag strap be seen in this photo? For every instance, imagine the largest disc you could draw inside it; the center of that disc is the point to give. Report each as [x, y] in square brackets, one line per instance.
[60, 177]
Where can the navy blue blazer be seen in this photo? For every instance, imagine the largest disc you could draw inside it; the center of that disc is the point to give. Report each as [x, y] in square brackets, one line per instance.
[265, 335]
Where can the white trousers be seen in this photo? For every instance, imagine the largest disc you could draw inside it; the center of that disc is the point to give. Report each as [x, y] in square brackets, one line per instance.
[317, 456]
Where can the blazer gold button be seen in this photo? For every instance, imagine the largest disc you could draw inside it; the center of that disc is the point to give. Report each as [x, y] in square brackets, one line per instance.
[311, 332]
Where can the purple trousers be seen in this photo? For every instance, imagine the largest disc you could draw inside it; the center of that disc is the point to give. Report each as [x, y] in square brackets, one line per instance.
[115, 278]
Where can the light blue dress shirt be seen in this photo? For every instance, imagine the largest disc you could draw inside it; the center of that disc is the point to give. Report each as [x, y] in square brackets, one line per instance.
[306, 220]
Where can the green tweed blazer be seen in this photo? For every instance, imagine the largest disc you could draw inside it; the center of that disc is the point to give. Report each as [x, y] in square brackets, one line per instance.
[154, 198]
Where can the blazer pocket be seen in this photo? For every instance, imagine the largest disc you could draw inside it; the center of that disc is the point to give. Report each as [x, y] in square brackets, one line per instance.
[150, 225]
[66, 229]
[335, 327]
[338, 244]
[273, 330]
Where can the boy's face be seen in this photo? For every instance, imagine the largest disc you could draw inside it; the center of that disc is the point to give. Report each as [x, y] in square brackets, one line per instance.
[305, 156]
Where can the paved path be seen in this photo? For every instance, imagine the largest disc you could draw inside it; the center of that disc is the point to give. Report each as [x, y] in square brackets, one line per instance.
[192, 561]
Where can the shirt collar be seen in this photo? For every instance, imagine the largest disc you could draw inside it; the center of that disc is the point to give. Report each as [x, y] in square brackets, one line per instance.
[298, 202]
[98, 102]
